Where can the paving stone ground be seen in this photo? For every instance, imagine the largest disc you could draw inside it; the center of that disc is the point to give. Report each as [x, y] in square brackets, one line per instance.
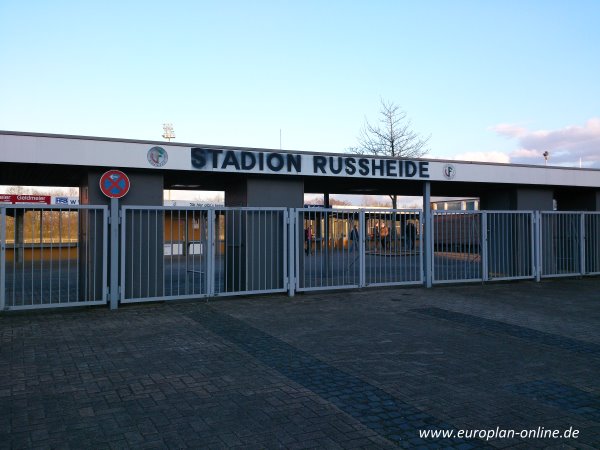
[352, 369]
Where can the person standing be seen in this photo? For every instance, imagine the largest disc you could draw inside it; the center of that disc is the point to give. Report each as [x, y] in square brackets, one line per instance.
[308, 239]
[354, 239]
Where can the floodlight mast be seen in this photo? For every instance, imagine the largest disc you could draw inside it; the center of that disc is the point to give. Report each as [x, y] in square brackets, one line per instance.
[168, 131]
[546, 155]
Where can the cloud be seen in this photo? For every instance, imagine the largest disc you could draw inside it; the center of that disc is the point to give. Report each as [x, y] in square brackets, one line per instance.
[498, 157]
[567, 146]
[509, 130]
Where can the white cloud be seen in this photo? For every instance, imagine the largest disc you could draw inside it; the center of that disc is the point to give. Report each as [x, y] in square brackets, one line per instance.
[509, 130]
[567, 146]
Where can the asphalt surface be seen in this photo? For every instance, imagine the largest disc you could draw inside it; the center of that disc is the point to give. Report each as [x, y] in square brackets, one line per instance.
[347, 369]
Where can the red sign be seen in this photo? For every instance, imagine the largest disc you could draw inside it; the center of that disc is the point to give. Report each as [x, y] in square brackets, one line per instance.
[114, 184]
[24, 198]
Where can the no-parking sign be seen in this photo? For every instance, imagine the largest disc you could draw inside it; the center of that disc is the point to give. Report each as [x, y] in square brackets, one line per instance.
[114, 184]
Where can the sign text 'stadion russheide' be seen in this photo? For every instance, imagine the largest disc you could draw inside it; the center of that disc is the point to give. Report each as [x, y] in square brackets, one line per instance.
[240, 160]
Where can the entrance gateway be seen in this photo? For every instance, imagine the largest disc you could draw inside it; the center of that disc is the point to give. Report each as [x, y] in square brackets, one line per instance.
[263, 240]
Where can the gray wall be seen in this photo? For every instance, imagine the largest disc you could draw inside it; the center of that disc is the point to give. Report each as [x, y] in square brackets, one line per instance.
[521, 199]
[263, 232]
[266, 193]
[146, 190]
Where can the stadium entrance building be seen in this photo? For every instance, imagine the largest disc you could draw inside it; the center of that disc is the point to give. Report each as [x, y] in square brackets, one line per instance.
[534, 221]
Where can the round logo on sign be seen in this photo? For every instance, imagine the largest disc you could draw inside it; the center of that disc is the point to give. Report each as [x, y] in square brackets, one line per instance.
[158, 156]
[449, 171]
[114, 184]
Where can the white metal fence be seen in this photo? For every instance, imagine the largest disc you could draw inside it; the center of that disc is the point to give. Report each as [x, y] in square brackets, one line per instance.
[457, 246]
[52, 256]
[178, 253]
[483, 246]
[569, 243]
[58, 256]
[338, 249]
[250, 248]
[592, 243]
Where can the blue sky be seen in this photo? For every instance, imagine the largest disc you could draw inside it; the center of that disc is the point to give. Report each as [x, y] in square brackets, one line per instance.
[495, 80]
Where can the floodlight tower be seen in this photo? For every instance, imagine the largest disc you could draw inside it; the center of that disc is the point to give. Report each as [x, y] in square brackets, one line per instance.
[168, 131]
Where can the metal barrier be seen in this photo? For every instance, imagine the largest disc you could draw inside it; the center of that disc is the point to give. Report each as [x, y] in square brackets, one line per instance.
[457, 246]
[250, 255]
[177, 253]
[53, 256]
[592, 243]
[337, 249]
[510, 245]
[58, 256]
[393, 253]
[561, 243]
[165, 253]
[329, 249]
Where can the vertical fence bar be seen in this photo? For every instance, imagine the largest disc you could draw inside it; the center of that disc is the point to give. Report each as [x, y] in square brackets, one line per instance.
[582, 241]
[292, 250]
[539, 240]
[104, 295]
[210, 262]
[114, 253]
[123, 254]
[362, 248]
[483, 246]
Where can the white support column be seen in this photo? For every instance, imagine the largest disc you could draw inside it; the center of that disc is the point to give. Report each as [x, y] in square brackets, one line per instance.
[427, 236]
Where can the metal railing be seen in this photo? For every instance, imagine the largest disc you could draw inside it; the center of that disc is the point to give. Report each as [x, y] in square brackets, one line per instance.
[250, 252]
[178, 253]
[561, 240]
[510, 245]
[338, 249]
[329, 249]
[393, 253]
[591, 243]
[58, 256]
[165, 253]
[53, 256]
[457, 246]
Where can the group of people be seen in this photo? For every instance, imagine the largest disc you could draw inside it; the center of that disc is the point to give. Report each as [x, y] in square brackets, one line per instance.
[381, 235]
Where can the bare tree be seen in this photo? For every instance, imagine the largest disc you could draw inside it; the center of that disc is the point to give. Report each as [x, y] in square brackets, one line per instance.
[392, 135]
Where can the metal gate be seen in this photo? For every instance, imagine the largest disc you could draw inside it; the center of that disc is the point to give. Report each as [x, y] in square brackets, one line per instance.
[329, 249]
[165, 253]
[592, 243]
[177, 253]
[510, 241]
[250, 251]
[393, 250]
[53, 256]
[457, 246]
[338, 249]
[58, 256]
[561, 243]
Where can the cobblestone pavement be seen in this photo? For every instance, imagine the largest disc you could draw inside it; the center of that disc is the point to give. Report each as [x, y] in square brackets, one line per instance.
[354, 369]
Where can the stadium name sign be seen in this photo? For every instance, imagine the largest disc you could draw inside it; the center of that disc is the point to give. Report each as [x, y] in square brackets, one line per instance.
[218, 160]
